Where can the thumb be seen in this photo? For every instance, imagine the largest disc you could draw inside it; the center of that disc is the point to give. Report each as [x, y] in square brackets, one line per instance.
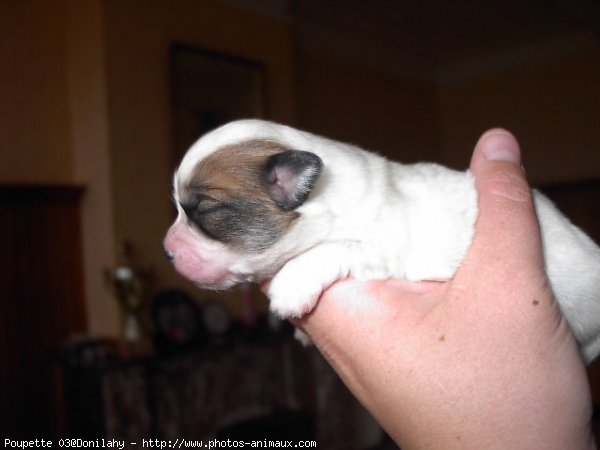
[507, 228]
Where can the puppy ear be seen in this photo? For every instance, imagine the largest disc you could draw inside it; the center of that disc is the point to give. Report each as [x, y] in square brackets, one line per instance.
[291, 176]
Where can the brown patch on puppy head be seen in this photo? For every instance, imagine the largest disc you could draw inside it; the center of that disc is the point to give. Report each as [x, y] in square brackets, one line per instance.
[230, 198]
[236, 168]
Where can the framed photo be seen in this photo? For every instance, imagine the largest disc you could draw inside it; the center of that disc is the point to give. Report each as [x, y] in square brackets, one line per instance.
[210, 89]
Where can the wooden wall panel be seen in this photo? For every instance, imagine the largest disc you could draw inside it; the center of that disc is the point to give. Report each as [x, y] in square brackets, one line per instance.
[41, 301]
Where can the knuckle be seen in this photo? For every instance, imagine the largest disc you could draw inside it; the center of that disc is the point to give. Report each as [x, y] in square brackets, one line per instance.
[509, 186]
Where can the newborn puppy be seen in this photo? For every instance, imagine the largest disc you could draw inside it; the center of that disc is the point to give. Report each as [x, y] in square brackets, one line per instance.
[258, 200]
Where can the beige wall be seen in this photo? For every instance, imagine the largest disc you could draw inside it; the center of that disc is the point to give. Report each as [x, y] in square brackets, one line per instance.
[388, 113]
[91, 157]
[34, 114]
[553, 107]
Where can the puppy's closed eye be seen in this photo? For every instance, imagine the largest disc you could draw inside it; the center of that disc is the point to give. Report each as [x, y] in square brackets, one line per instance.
[199, 212]
[243, 223]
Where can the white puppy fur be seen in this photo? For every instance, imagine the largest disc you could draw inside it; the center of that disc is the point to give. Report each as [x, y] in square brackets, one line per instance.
[368, 218]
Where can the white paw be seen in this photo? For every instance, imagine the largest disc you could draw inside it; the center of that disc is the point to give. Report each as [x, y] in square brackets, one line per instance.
[296, 288]
[293, 297]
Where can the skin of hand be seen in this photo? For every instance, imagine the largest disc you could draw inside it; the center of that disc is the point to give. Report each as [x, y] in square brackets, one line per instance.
[483, 361]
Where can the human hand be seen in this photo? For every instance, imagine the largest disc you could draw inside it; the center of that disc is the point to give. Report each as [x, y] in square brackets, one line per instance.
[482, 361]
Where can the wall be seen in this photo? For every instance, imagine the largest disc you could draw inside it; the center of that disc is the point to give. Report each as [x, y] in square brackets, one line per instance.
[389, 113]
[91, 157]
[553, 107]
[34, 113]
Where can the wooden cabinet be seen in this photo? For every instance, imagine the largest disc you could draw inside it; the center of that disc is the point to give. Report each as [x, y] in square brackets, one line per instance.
[41, 302]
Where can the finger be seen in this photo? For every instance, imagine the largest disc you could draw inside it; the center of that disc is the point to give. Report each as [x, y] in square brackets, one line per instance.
[507, 230]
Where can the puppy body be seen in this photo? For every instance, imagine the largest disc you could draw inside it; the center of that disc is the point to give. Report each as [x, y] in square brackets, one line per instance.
[258, 200]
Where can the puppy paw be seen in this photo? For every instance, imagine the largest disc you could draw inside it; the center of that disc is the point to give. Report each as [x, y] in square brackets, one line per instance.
[296, 288]
[292, 299]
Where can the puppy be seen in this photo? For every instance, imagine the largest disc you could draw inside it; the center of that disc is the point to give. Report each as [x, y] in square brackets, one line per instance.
[258, 200]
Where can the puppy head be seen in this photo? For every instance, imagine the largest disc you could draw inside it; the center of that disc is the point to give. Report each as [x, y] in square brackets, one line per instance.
[235, 204]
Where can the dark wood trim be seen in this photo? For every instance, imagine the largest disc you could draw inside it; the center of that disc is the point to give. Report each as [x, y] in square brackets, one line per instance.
[34, 192]
[577, 185]
[41, 300]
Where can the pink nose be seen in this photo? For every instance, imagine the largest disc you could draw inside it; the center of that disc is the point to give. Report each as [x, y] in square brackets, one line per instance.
[169, 244]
